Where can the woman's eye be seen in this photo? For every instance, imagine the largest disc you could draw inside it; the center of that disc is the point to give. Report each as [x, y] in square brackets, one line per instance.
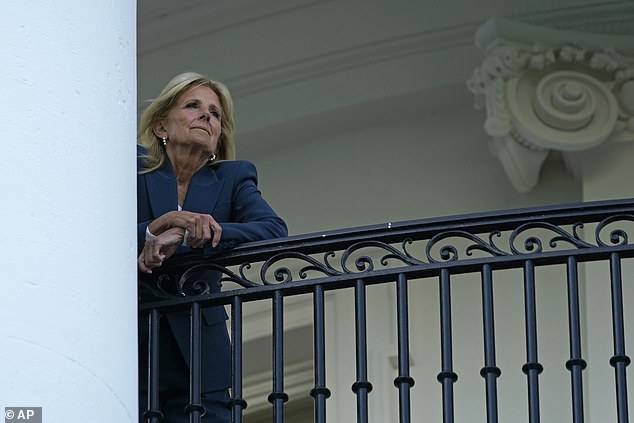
[189, 105]
[215, 114]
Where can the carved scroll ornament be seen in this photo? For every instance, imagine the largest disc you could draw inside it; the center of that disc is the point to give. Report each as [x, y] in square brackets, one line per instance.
[540, 98]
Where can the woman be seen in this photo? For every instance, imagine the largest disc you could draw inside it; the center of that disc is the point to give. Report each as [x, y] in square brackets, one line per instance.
[191, 194]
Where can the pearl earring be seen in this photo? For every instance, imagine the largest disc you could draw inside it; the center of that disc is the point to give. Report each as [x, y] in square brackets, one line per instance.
[164, 141]
[212, 157]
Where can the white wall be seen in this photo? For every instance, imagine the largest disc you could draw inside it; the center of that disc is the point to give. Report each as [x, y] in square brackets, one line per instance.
[389, 170]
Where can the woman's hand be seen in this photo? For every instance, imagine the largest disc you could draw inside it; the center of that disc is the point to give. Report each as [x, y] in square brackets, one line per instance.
[201, 228]
[158, 249]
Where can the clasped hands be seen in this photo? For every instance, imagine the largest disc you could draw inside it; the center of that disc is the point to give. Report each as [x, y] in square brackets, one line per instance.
[169, 230]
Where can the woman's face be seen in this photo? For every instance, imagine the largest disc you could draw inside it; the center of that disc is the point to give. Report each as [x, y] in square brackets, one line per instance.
[194, 120]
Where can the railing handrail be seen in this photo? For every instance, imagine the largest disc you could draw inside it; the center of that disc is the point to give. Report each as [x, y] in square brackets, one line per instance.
[424, 229]
[415, 229]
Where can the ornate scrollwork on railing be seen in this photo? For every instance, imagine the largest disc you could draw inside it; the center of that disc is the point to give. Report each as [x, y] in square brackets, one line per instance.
[450, 252]
[530, 238]
[191, 278]
[534, 244]
[618, 236]
[365, 263]
[284, 274]
[194, 281]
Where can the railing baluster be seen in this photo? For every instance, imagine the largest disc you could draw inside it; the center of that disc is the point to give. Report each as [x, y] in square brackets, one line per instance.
[195, 407]
[532, 369]
[153, 413]
[237, 403]
[362, 387]
[547, 237]
[620, 360]
[403, 382]
[278, 397]
[576, 364]
[446, 377]
[320, 392]
[490, 372]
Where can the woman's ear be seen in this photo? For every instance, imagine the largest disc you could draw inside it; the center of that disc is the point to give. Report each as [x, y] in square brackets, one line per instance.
[159, 129]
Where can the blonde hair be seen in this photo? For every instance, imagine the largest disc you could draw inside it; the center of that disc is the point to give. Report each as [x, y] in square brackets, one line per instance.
[160, 106]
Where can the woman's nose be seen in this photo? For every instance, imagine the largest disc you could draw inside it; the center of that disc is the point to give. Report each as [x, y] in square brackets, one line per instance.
[206, 116]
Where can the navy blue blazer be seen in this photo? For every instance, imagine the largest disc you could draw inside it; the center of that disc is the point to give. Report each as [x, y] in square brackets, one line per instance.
[228, 191]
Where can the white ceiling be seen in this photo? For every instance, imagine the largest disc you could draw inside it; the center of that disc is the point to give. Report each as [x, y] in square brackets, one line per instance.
[163, 22]
[287, 60]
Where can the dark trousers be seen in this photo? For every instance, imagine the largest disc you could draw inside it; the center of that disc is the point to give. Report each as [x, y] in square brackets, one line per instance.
[174, 384]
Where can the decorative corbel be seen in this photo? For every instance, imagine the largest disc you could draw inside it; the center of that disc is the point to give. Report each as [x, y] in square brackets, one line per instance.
[546, 89]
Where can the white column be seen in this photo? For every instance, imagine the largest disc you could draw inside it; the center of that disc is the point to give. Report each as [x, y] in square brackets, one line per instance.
[68, 303]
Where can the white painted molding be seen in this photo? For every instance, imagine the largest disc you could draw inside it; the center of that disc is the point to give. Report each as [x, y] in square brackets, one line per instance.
[612, 17]
[162, 23]
[351, 57]
[543, 92]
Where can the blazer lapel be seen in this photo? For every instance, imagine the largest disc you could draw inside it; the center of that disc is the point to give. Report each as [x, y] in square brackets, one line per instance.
[204, 191]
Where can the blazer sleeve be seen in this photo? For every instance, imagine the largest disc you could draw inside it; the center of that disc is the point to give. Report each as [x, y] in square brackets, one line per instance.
[144, 216]
[252, 217]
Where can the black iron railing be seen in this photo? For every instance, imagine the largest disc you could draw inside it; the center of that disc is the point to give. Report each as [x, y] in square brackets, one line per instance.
[399, 253]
